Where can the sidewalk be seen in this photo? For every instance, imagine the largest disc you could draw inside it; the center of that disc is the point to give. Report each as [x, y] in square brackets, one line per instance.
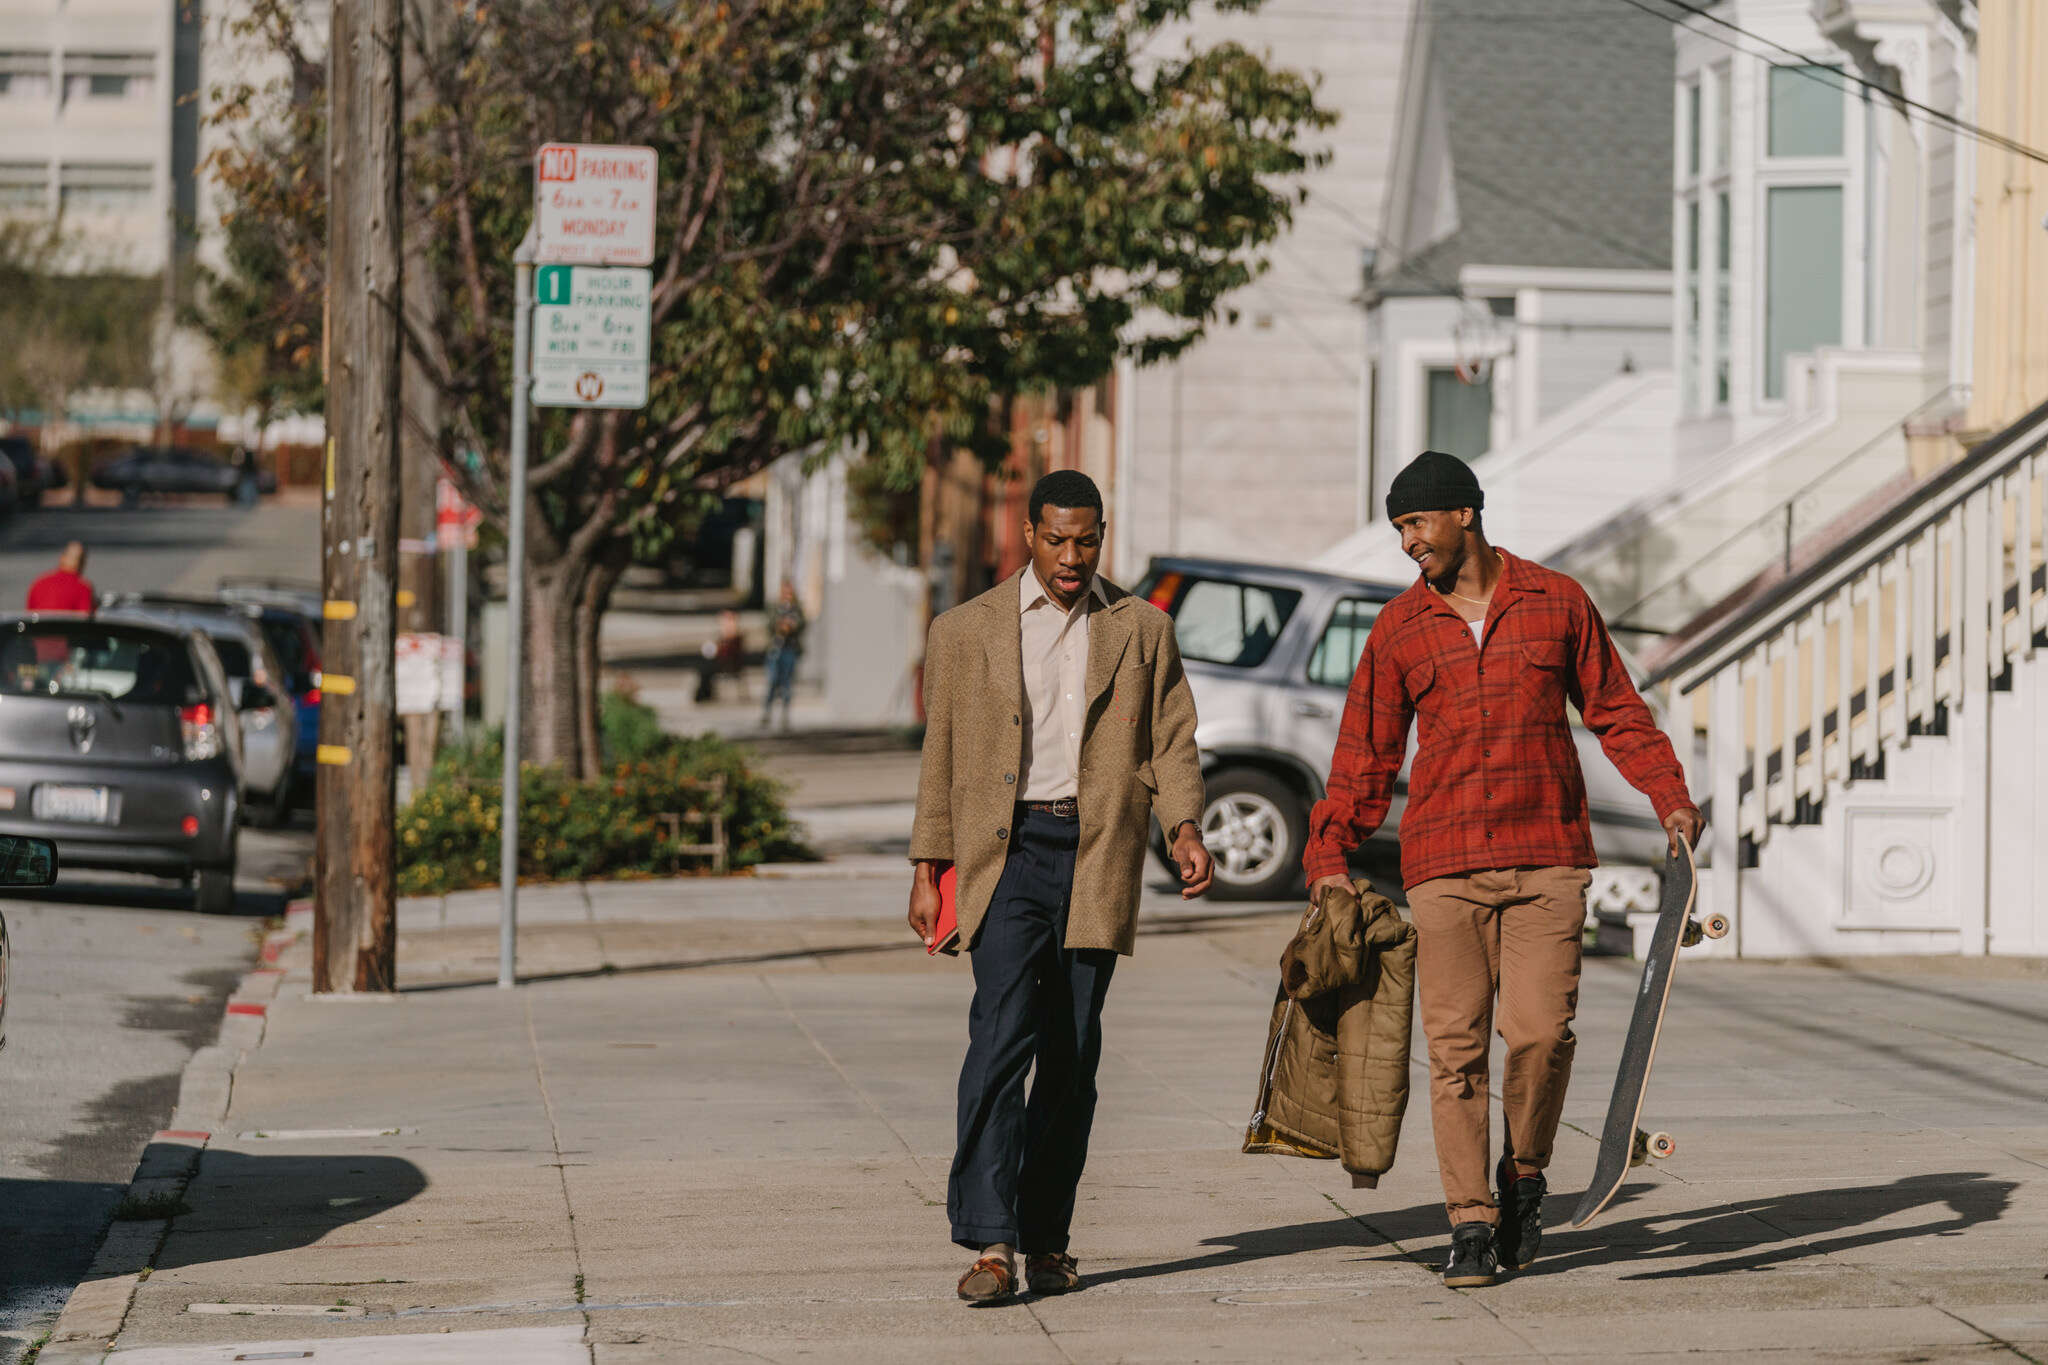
[720, 1130]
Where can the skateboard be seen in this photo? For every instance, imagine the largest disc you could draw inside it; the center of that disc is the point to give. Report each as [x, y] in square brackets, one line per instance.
[1622, 1143]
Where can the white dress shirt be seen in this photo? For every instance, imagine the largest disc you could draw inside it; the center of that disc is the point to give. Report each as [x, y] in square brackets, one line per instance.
[1055, 652]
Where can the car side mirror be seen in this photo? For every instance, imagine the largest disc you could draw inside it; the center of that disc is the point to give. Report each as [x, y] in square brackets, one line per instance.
[27, 862]
[256, 697]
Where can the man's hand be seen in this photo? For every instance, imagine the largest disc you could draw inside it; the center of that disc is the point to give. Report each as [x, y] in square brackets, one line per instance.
[1684, 824]
[1197, 869]
[924, 901]
[1322, 884]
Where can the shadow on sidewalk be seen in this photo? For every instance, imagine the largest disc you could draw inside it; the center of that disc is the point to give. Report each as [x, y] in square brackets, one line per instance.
[1762, 1232]
[246, 1205]
[83, 889]
[1160, 926]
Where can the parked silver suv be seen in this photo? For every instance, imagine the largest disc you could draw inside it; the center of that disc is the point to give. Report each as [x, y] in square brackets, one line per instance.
[1269, 654]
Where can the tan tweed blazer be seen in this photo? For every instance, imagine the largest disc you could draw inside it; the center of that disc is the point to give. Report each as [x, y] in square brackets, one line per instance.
[1138, 755]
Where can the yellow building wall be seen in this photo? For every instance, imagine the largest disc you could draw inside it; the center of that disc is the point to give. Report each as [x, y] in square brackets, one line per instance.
[2010, 367]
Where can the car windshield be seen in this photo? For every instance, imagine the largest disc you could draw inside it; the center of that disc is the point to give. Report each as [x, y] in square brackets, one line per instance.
[62, 659]
[1223, 622]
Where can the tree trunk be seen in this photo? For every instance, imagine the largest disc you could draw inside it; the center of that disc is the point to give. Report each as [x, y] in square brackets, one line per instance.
[597, 595]
[549, 733]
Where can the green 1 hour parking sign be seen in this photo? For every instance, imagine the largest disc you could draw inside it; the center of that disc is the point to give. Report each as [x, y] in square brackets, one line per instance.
[591, 336]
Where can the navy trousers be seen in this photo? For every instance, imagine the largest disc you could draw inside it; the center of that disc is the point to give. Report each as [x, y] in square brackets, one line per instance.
[1019, 1161]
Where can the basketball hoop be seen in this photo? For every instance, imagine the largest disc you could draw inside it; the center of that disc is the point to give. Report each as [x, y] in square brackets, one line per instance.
[1475, 351]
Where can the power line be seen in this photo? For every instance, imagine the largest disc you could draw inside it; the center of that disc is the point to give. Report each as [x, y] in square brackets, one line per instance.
[1805, 67]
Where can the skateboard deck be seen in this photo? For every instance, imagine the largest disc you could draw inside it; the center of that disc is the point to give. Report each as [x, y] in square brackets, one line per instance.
[1622, 1143]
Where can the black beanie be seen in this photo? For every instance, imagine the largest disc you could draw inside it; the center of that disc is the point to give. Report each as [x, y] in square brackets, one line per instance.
[1433, 482]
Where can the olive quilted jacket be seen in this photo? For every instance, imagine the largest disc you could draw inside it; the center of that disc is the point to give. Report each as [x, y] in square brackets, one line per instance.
[1333, 1080]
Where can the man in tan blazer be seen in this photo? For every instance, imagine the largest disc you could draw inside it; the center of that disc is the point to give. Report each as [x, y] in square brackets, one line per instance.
[1058, 723]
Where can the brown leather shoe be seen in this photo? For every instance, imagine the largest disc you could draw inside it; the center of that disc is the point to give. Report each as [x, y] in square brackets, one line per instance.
[1055, 1272]
[989, 1280]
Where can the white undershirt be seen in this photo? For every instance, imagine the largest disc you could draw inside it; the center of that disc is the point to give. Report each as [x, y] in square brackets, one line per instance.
[1478, 631]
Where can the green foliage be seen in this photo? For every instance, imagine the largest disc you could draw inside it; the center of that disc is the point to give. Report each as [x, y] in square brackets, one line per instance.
[71, 322]
[874, 220]
[580, 831]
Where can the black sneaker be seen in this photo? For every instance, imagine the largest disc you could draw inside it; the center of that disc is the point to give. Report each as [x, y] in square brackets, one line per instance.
[1521, 1216]
[1473, 1262]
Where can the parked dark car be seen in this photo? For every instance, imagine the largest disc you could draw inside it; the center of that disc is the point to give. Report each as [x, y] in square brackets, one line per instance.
[180, 469]
[10, 490]
[120, 743]
[34, 475]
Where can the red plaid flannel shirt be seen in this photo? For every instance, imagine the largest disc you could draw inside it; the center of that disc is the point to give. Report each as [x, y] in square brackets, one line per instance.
[1496, 780]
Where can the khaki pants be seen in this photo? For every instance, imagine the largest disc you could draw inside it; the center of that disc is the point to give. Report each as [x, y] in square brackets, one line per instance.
[1515, 934]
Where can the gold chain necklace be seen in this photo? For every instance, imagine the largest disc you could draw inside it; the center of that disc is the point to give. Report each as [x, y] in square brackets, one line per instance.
[1475, 601]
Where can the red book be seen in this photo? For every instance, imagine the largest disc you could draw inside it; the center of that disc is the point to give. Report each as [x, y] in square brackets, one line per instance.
[946, 933]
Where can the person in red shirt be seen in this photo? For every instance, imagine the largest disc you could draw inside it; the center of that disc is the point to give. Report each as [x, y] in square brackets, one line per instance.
[64, 588]
[1480, 656]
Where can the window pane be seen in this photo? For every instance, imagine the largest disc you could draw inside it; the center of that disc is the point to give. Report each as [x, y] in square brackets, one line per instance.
[1460, 415]
[1722, 115]
[1336, 656]
[1692, 131]
[1806, 111]
[1690, 386]
[1803, 306]
[1721, 308]
[59, 659]
[1231, 623]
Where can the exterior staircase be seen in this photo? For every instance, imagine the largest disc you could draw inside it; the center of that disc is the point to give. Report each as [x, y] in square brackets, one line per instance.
[1873, 727]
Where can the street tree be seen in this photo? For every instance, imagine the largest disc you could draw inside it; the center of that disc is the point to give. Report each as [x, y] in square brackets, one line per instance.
[875, 221]
[73, 322]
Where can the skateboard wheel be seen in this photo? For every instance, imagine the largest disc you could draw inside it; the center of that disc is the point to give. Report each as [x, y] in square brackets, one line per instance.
[1663, 1145]
[1715, 926]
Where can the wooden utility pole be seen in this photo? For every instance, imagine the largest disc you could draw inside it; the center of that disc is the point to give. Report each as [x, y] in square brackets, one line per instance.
[354, 926]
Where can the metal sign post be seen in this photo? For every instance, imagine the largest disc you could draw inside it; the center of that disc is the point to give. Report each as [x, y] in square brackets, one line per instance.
[593, 210]
[515, 613]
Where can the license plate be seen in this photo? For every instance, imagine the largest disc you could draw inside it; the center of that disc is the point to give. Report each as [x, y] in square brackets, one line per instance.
[85, 805]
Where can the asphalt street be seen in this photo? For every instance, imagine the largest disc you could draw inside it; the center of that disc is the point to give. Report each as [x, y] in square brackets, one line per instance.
[116, 981]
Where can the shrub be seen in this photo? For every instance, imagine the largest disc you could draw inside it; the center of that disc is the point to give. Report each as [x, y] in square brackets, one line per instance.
[571, 830]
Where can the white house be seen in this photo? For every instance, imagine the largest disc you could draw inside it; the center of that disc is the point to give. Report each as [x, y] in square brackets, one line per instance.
[1519, 306]
[1251, 445]
[1821, 315]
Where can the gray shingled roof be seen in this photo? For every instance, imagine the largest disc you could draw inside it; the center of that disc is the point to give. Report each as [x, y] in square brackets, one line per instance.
[1560, 132]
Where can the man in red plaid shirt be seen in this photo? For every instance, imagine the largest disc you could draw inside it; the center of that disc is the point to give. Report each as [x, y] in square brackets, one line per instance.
[1481, 656]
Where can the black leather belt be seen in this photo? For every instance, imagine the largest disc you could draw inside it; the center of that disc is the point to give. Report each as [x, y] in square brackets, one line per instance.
[1066, 808]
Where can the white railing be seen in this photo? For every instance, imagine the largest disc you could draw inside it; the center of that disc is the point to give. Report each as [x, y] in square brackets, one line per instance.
[1897, 634]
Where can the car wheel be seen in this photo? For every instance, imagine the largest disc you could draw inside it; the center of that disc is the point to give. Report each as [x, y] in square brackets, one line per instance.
[131, 496]
[213, 890]
[1254, 826]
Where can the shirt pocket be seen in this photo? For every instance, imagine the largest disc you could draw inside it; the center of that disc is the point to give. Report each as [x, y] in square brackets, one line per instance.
[1418, 678]
[1541, 678]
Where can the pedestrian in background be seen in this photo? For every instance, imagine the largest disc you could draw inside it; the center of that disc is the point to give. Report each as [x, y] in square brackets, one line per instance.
[724, 657]
[786, 626]
[1481, 655]
[1058, 723]
[64, 588]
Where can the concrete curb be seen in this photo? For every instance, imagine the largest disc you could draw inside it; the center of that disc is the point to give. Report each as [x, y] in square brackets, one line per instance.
[84, 1332]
